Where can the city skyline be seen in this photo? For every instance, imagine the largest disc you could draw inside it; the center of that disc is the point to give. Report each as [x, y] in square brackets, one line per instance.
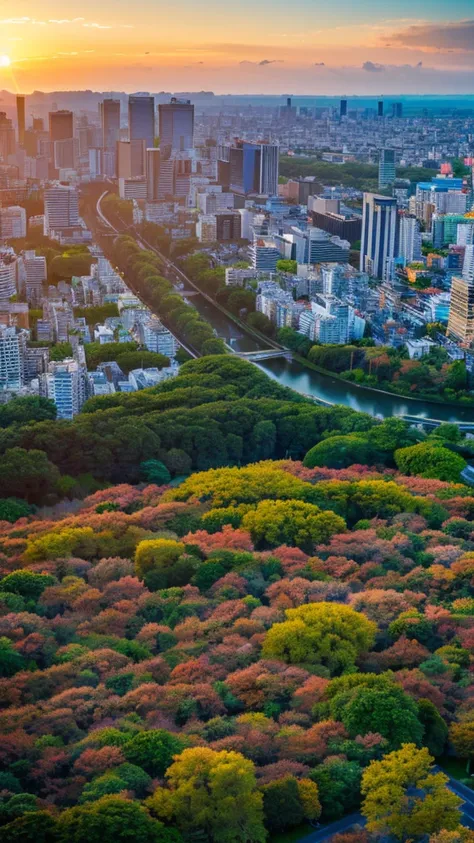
[426, 47]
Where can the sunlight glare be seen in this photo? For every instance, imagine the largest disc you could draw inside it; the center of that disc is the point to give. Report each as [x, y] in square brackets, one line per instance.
[5, 61]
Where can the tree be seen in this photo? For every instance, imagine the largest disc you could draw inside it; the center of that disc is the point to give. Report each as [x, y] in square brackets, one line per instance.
[30, 408]
[214, 793]
[10, 660]
[27, 474]
[11, 509]
[27, 583]
[321, 633]
[154, 471]
[33, 827]
[282, 804]
[338, 783]
[291, 522]
[403, 797]
[341, 451]
[287, 266]
[161, 563]
[462, 737]
[153, 750]
[369, 703]
[431, 460]
[112, 819]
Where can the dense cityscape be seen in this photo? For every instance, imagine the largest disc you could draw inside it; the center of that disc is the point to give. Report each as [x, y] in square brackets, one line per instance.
[237, 439]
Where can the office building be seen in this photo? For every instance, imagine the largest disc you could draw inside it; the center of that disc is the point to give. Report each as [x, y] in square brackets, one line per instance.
[141, 119]
[468, 264]
[153, 158]
[254, 168]
[12, 222]
[36, 274]
[61, 208]
[300, 190]
[7, 137]
[176, 126]
[264, 254]
[135, 188]
[343, 108]
[109, 110]
[65, 385]
[461, 311]
[386, 167]
[380, 108]
[155, 337]
[326, 214]
[379, 223]
[20, 118]
[409, 247]
[131, 158]
[8, 276]
[65, 154]
[61, 125]
[397, 109]
[12, 352]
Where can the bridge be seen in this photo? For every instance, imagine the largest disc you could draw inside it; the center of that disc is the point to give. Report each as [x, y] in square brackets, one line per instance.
[265, 354]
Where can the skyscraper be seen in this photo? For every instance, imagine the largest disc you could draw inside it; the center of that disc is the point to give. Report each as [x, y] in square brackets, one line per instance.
[109, 110]
[387, 171]
[343, 108]
[379, 222]
[397, 109]
[12, 350]
[20, 116]
[176, 126]
[254, 168]
[461, 311]
[468, 264]
[7, 136]
[61, 125]
[409, 239]
[153, 157]
[61, 208]
[141, 118]
[380, 108]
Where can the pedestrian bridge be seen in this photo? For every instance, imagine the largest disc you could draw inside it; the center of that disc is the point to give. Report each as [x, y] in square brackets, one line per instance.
[264, 354]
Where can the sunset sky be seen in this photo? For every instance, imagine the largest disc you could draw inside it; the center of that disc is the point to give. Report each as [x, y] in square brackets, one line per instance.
[270, 46]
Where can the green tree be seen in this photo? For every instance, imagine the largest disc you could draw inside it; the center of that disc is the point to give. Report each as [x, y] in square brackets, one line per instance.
[281, 804]
[342, 451]
[291, 522]
[153, 750]
[112, 819]
[28, 584]
[431, 460]
[11, 509]
[338, 784]
[28, 474]
[329, 634]
[287, 266]
[10, 660]
[154, 471]
[33, 827]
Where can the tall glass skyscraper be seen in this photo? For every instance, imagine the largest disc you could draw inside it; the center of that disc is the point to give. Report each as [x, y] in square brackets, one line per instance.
[176, 126]
[141, 118]
[379, 228]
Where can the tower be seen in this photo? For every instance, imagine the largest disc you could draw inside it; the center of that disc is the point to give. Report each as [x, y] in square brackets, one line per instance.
[20, 116]
[379, 223]
[141, 118]
[176, 126]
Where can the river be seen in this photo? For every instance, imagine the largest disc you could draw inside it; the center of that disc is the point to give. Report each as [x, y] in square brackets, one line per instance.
[307, 381]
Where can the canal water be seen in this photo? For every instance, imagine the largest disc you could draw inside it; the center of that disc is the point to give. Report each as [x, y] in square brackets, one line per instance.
[309, 382]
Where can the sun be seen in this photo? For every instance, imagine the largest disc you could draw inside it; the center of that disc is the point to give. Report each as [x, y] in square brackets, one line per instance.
[5, 61]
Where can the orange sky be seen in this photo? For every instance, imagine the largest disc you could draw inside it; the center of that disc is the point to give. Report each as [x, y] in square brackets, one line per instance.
[269, 47]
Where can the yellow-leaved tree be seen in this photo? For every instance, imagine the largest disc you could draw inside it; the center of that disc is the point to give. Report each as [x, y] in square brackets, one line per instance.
[214, 793]
[403, 797]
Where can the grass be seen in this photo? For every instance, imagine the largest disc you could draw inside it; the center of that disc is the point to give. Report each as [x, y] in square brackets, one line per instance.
[292, 835]
[455, 767]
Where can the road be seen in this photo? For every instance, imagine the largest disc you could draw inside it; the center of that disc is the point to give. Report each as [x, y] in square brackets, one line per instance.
[346, 823]
[108, 224]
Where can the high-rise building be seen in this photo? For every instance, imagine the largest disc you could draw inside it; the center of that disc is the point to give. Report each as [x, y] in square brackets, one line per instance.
[386, 167]
[343, 108]
[176, 126]
[61, 125]
[61, 208]
[379, 224]
[254, 168]
[153, 157]
[461, 311]
[8, 276]
[380, 108]
[65, 154]
[155, 337]
[12, 352]
[397, 109]
[12, 222]
[409, 247]
[468, 265]
[65, 385]
[109, 111]
[20, 117]
[141, 119]
[7, 137]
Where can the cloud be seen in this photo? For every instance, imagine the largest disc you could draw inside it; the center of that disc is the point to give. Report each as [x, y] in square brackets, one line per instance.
[319, 64]
[263, 63]
[373, 67]
[455, 35]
